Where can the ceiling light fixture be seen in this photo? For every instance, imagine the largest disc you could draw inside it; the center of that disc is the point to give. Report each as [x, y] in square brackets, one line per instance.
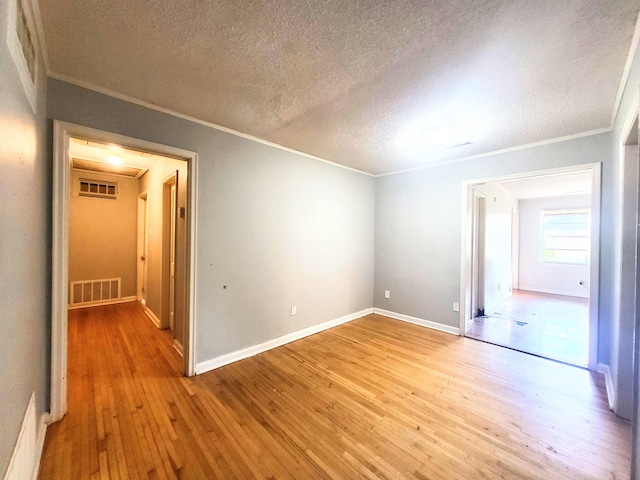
[114, 160]
[443, 130]
[439, 136]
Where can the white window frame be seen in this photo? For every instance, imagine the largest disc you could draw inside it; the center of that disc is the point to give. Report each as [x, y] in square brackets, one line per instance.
[564, 211]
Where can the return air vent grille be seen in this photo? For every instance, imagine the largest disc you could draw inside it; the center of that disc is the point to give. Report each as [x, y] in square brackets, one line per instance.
[97, 188]
[26, 41]
[95, 291]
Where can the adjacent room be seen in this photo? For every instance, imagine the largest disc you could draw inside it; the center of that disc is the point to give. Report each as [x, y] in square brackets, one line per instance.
[263, 239]
[127, 231]
[531, 285]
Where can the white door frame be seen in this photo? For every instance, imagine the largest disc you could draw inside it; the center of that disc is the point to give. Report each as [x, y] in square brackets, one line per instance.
[62, 131]
[169, 225]
[477, 256]
[466, 247]
[143, 246]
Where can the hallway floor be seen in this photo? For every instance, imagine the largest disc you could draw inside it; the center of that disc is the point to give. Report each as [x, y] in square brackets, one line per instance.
[550, 326]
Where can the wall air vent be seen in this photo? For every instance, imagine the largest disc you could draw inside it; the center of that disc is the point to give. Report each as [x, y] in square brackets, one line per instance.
[91, 292]
[22, 43]
[97, 188]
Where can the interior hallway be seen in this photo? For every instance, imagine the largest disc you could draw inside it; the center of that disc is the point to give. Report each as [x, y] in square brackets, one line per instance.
[375, 398]
[551, 326]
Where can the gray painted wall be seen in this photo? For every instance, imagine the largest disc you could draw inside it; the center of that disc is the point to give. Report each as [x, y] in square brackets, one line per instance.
[277, 228]
[418, 227]
[24, 250]
[416, 212]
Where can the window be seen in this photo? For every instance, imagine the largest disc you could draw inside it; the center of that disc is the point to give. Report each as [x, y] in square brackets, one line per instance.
[565, 236]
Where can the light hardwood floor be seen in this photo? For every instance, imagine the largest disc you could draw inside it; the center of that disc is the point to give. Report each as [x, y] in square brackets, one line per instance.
[374, 398]
[551, 326]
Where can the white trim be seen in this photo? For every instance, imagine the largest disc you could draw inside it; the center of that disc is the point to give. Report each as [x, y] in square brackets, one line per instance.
[59, 270]
[627, 70]
[465, 243]
[465, 317]
[541, 143]
[154, 318]
[41, 435]
[608, 380]
[554, 292]
[76, 306]
[29, 85]
[594, 266]
[37, 20]
[629, 122]
[178, 347]
[27, 452]
[62, 131]
[232, 357]
[151, 106]
[189, 340]
[441, 327]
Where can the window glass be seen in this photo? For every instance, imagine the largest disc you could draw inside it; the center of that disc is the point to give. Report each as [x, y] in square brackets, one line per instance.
[565, 236]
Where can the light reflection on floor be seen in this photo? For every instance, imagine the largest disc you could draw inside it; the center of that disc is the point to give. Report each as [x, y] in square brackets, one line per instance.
[551, 326]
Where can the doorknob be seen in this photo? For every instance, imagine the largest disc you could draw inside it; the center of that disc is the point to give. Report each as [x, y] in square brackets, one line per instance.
[143, 258]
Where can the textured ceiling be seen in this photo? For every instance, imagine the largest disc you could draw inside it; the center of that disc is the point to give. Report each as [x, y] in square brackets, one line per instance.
[351, 81]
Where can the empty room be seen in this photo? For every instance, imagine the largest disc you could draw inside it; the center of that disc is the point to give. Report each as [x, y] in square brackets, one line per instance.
[258, 239]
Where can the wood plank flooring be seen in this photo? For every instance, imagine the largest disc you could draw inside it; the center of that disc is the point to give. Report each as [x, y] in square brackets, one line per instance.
[374, 398]
[551, 326]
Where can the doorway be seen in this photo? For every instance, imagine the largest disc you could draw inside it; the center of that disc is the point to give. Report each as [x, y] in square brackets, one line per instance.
[142, 246]
[478, 254]
[62, 184]
[170, 236]
[525, 242]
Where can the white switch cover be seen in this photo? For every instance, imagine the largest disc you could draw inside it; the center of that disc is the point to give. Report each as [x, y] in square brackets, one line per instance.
[294, 310]
[387, 294]
[456, 306]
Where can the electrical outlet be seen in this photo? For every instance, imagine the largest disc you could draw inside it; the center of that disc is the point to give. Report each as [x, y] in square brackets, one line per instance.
[294, 310]
[387, 294]
[456, 306]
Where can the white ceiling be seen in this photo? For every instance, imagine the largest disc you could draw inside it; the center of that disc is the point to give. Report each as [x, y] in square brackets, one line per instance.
[556, 185]
[351, 81]
[97, 152]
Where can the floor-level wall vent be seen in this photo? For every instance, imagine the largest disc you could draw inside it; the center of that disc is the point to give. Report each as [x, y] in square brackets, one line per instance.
[89, 292]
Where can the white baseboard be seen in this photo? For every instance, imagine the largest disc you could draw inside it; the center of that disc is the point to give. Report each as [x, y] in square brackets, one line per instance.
[178, 347]
[25, 460]
[608, 380]
[418, 321]
[102, 303]
[42, 433]
[228, 358]
[152, 316]
[556, 292]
